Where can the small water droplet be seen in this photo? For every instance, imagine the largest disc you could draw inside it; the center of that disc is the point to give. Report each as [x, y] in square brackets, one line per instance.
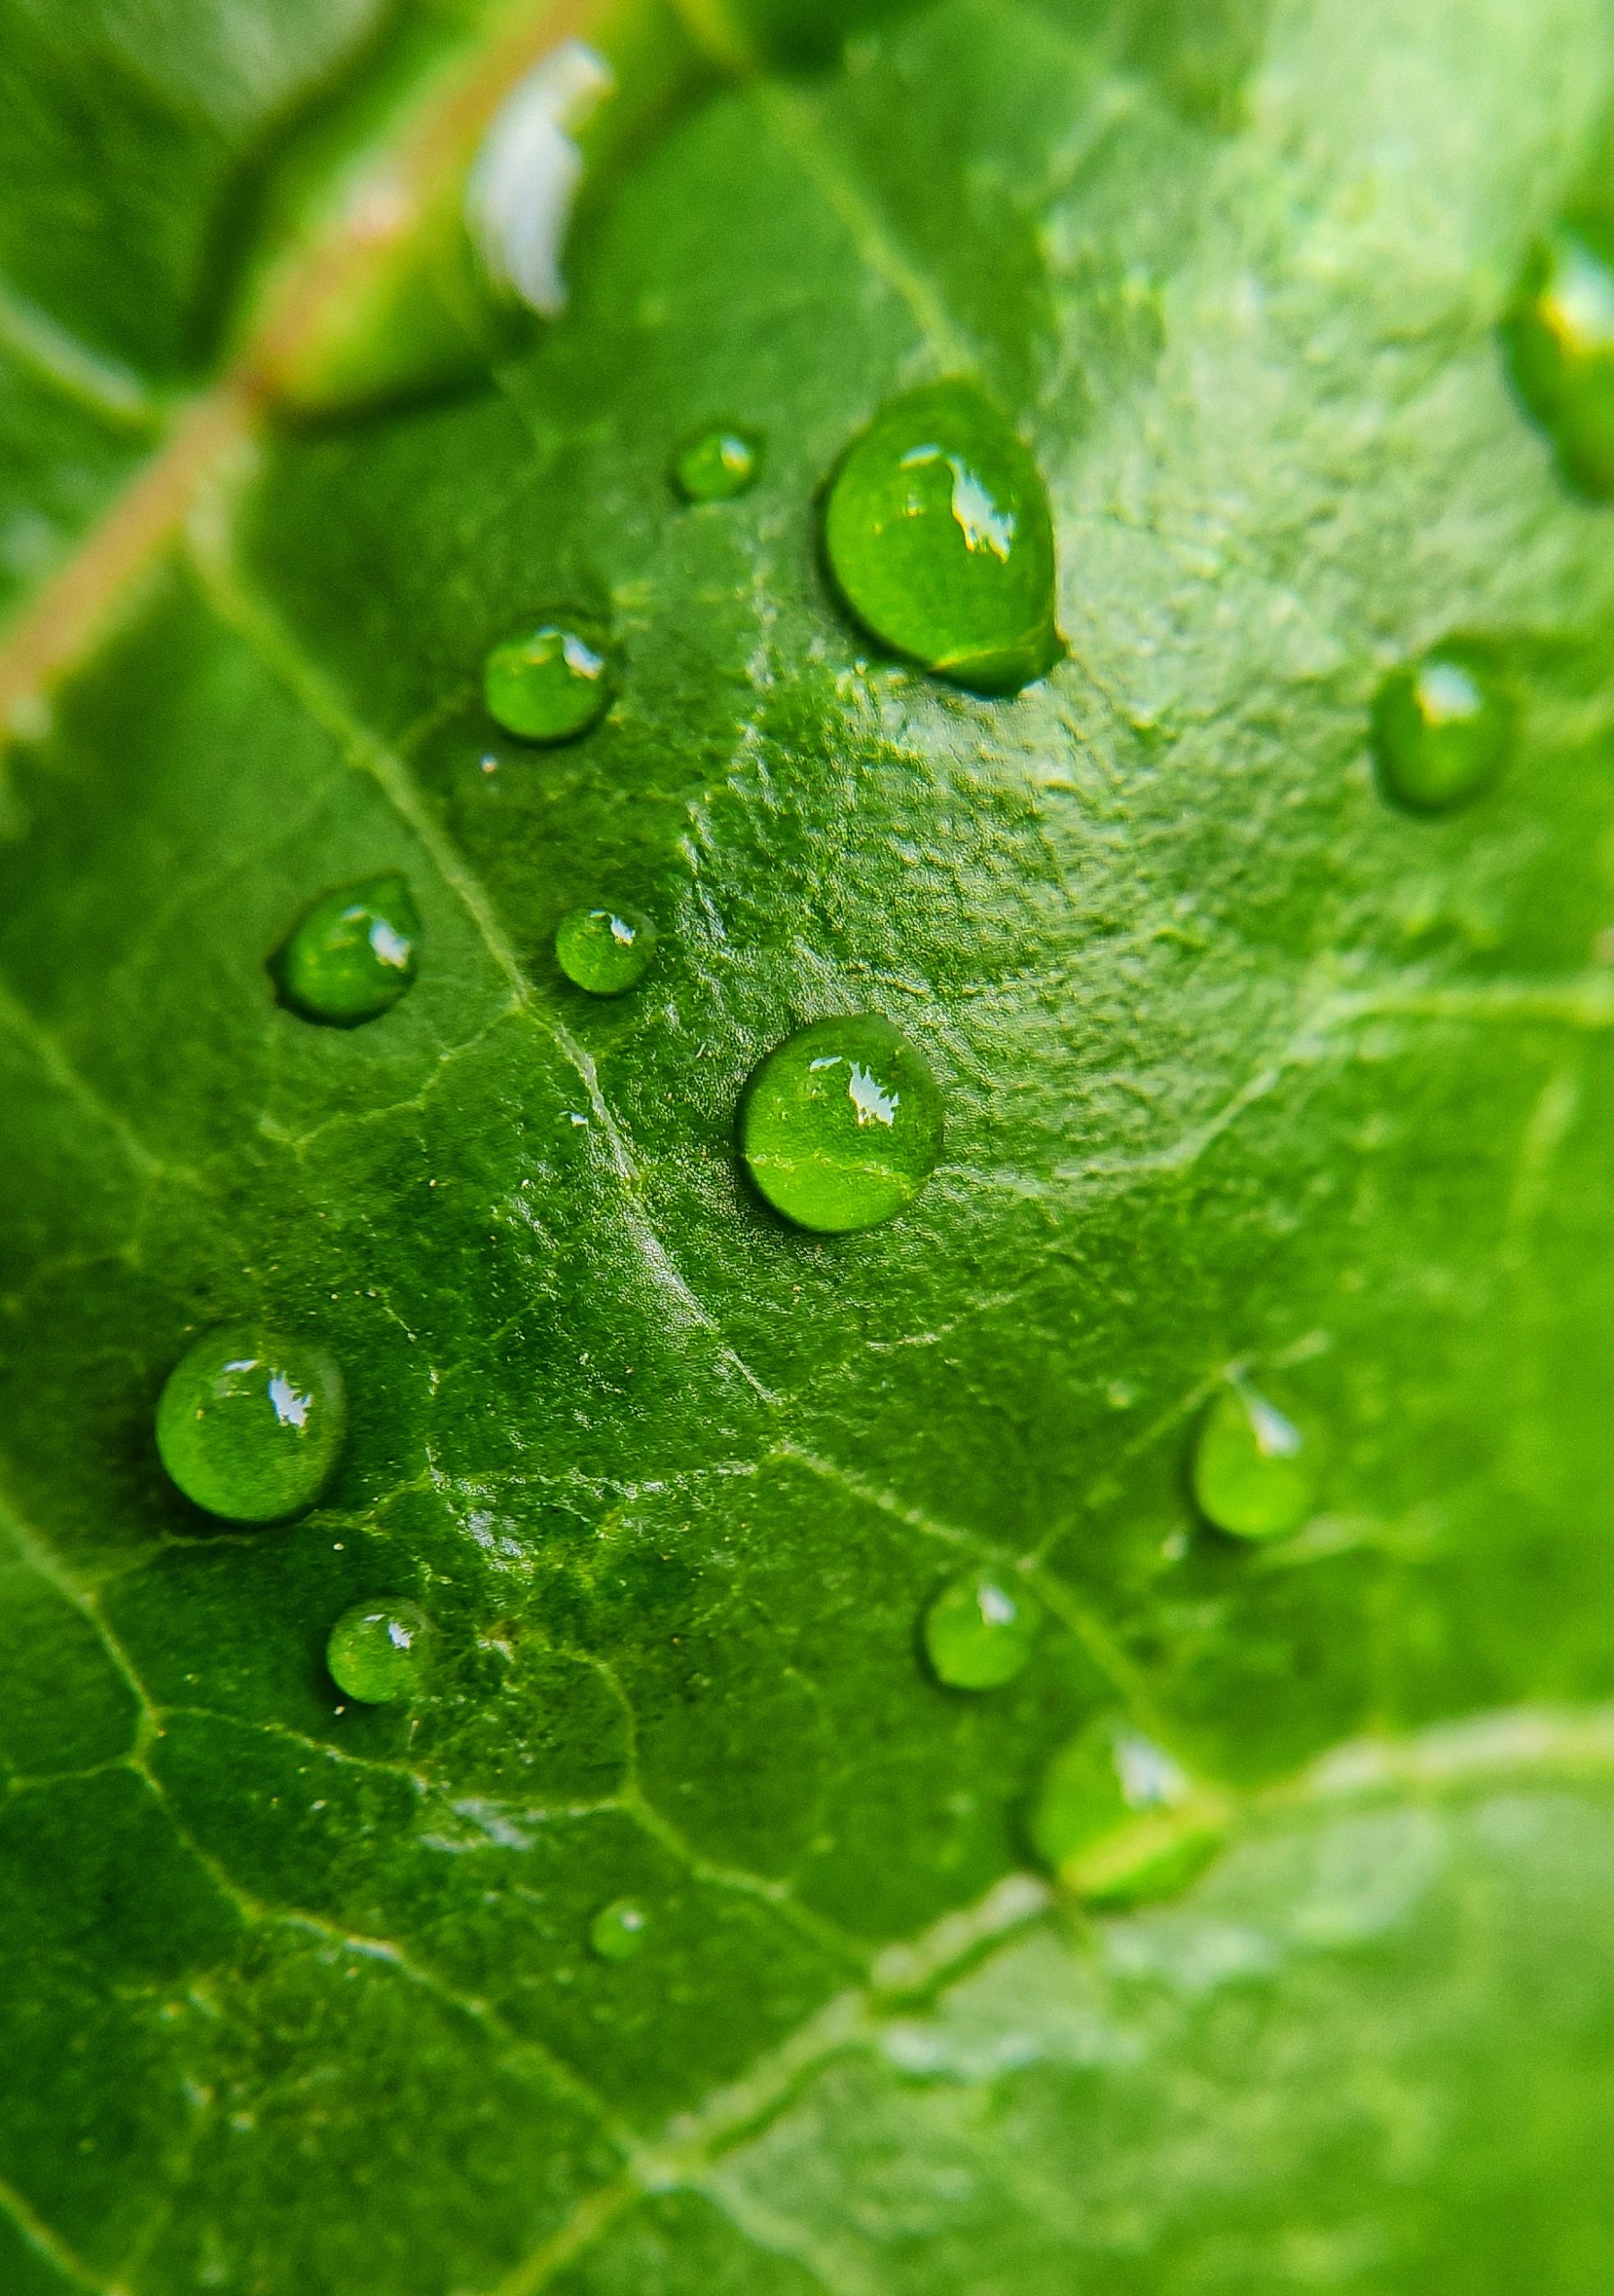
[719, 465]
[605, 951]
[547, 685]
[1442, 727]
[617, 1931]
[250, 1425]
[1121, 1821]
[1559, 336]
[979, 1631]
[1251, 1475]
[841, 1125]
[939, 535]
[378, 1651]
[351, 954]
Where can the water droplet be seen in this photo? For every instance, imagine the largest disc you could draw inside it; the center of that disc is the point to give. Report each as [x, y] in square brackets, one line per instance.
[250, 1424]
[717, 467]
[1121, 1821]
[1251, 1476]
[378, 1651]
[979, 1632]
[940, 539]
[1559, 336]
[1442, 727]
[617, 1931]
[841, 1125]
[605, 951]
[548, 685]
[351, 954]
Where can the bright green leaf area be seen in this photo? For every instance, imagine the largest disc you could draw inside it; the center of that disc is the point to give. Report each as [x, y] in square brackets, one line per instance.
[1243, 1070]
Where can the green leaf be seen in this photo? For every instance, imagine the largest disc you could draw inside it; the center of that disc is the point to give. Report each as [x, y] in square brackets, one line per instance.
[1254, 1084]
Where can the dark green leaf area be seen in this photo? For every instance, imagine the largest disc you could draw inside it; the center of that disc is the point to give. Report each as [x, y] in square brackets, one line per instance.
[1246, 1073]
[147, 132]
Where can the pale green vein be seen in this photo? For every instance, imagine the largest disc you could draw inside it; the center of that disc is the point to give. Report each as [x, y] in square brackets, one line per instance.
[50, 2245]
[253, 620]
[794, 123]
[1580, 1002]
[1542, 1745]
[251, 1909]
[1051, 1590]
[71, 1081]
[691, 2140]
[103, 385]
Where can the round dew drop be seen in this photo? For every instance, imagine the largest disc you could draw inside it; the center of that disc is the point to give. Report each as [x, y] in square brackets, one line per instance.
[717, 467]
[1442, 727]
[547, 685]
[978, 1634]
[351, 954]
[841, 1126]
[617, 1931]
[605, 951]
[1252, 1477]
[377, 1652]
[1560, 337]
[250, 1425]
[1120, 1822]
[938, 536]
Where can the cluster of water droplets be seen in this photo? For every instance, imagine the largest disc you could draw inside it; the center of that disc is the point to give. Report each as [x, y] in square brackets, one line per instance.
[939, 541]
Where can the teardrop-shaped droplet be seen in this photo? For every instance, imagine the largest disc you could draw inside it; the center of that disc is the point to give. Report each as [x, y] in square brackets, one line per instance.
[719, 465]
[605, 951]
[979, 1631]
[841, 1126]
[1252, 1470]
[378, 1652]
[1560, 341]
[1442, 727]
[939, 535]
[547, 685]
[1120, 1823]
[352, 953]
[250, 1425]
[617, 1931]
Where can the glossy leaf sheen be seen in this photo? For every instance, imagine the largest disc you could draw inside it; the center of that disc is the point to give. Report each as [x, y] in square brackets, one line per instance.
[1242, 1067]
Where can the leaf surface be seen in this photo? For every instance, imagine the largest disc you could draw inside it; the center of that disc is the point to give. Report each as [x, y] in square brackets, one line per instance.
[1243, 1069]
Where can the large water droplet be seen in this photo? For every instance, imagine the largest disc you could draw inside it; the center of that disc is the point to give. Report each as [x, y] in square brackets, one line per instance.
[717, 467]
[938, 536]
[378, 1651]
[979, 1632]
[1121, 1821]
[548, 685]
[841, 1125]
[1251, 1473]
[250, 1424]
[352, 953]
[617, 1931]
[605, 951]
[1560, 340]
[1442, 727]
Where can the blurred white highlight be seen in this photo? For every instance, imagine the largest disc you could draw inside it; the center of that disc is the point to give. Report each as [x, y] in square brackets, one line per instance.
[520, 197]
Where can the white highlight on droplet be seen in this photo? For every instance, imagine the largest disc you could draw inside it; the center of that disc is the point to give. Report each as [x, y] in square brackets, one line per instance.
[291, 1405]
[522, 188]
[389, 946]
[1149, 1779]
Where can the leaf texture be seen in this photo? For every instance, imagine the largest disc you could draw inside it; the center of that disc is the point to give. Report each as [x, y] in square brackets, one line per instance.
[1243, 1069]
